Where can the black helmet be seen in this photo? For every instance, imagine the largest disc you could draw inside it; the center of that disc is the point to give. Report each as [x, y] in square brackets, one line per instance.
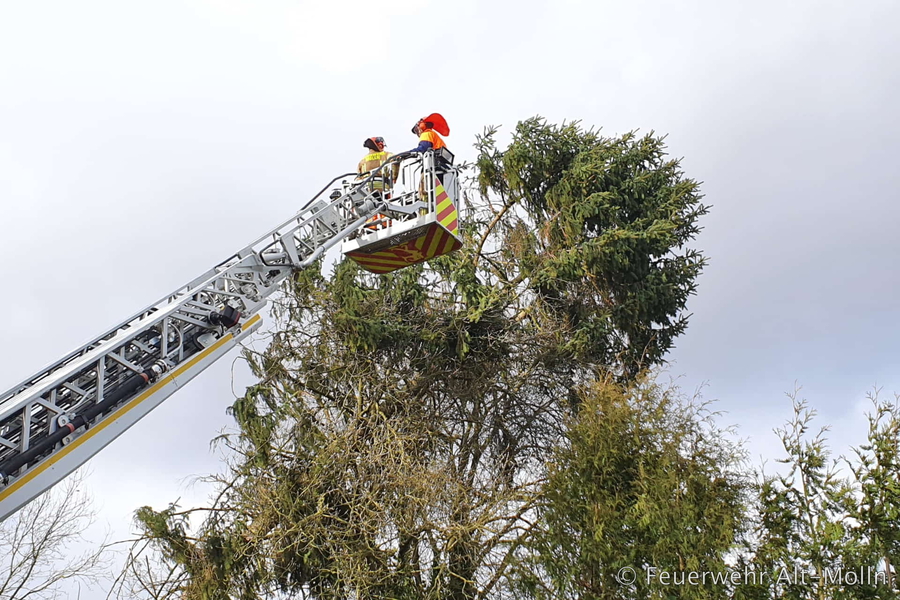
[374, 143]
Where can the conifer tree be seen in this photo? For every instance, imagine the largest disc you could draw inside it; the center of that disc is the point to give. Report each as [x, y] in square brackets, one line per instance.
[646, 490]
[398, 443]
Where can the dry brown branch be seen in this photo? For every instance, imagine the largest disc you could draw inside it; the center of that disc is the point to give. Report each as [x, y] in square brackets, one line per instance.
[44, 552]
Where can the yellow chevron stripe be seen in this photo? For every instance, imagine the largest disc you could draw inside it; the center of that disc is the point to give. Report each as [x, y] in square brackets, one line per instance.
[436, 244]
[380, 257]
[448, 220]
[393, 258]
[449, 245]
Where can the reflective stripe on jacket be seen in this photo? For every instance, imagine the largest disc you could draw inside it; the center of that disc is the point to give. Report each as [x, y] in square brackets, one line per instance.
[431, 136]
[372, 161]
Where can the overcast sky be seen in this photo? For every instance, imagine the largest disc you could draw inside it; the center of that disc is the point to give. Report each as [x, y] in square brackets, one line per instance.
[141, 143]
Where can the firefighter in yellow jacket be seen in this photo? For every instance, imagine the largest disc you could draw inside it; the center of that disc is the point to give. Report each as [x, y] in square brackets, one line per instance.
[384, 180]
[376, 157]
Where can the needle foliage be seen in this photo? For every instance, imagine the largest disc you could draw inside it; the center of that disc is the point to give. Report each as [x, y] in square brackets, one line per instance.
[425, 434]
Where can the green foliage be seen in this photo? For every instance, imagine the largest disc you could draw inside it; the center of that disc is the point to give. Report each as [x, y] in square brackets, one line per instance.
[877, 511]
[397, 442]
[610, 218]
[645, 479]
[203, 566]
[483, 426]
[816, 523]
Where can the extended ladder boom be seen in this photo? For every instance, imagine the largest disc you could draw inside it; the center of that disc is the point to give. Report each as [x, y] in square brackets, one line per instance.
[55, 421]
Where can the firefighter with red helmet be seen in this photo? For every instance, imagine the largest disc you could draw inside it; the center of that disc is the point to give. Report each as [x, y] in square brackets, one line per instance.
[428, 128]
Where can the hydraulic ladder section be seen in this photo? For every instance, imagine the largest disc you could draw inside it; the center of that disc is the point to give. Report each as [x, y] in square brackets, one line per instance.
[53, 422]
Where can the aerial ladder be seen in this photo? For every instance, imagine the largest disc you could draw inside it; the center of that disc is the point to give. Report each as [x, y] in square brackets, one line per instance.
[56, 420]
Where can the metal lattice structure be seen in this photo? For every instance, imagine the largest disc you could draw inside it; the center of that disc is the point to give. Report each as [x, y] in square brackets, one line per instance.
[56, 420]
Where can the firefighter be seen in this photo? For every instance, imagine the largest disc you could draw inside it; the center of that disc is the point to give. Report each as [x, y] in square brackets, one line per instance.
[428, 128]
[376, 157]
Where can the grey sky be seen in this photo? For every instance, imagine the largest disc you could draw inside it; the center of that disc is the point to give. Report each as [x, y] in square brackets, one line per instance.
[140, 143]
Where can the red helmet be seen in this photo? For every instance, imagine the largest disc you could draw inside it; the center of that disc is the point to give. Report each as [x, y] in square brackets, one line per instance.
[375, 143]
[433, 121]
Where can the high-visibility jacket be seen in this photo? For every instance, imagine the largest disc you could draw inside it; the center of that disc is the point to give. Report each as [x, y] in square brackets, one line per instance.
[433, 138]
[369, 163]
[372, 161]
